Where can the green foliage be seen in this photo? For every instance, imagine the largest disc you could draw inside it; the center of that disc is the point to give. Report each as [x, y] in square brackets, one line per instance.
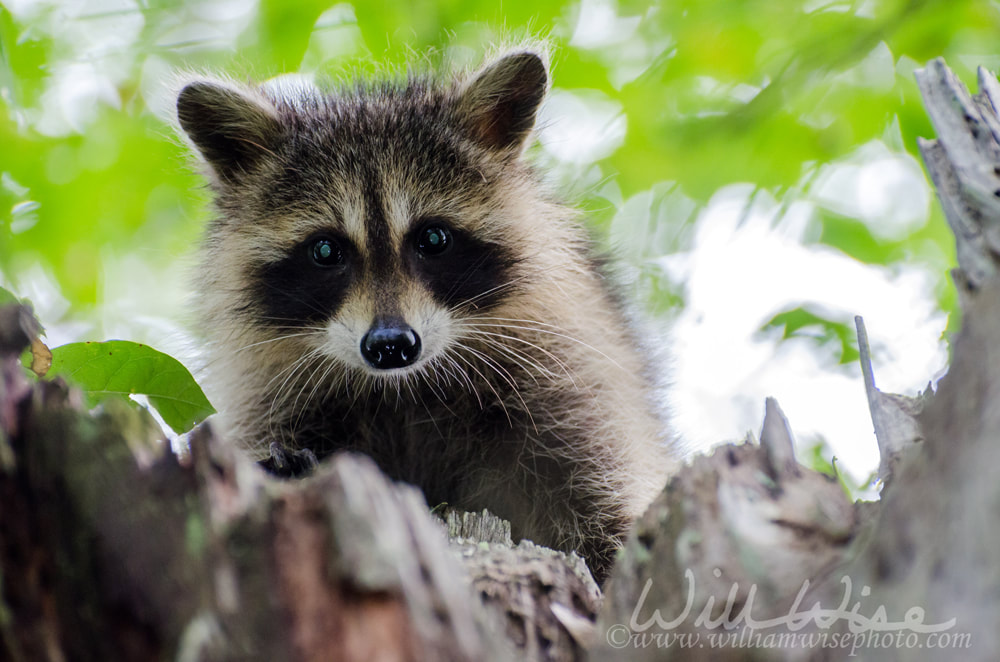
[818, 457]
[804, 323]
[815, 457]
[119, 368]
[819, 82]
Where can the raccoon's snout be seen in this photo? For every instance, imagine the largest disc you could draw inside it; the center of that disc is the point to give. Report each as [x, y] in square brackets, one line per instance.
[390, 344]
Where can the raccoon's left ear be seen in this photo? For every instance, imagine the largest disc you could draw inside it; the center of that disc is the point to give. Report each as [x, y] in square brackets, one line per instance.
[499, 104]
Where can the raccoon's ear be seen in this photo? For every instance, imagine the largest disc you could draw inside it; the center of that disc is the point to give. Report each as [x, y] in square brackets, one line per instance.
[232, 129]
[499, 104]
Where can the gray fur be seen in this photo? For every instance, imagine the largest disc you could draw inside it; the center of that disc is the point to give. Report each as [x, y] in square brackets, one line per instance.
[529, 397]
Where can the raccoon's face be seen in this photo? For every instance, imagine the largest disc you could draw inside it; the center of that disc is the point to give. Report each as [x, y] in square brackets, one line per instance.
[370, 223]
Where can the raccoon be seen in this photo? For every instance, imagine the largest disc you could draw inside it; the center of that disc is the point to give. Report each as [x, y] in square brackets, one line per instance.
[387, 273]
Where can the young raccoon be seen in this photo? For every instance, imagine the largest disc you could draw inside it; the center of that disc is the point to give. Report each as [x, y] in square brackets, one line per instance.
[387, 274]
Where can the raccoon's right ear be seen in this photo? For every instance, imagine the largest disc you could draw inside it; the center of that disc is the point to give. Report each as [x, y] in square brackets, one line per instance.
[499, 104]
[232, 129]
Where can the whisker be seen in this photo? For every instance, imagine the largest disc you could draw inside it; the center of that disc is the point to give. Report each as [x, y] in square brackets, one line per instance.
[435, 369]
[491, 338]
[466, 275]
[489, 385]
[461, 375]
[507, 377]
[293, 322]
[530, 275]
[549, 332]
[297, 363]
[528, 364]
[279, 338]
[482, 295]
[216, 355]
[309, 304]
[282, 392]
[328, 366]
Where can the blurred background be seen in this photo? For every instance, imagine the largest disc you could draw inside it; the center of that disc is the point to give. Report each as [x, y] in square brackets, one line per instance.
[752, 162]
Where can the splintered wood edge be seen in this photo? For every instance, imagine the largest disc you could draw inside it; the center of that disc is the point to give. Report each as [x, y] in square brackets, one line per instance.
[776, 440]
[963, 164]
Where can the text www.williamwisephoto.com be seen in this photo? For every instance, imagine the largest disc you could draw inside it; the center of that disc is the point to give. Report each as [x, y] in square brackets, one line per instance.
[854, 625]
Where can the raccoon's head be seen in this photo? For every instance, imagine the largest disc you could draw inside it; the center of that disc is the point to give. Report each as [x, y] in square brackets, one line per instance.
[368, 223]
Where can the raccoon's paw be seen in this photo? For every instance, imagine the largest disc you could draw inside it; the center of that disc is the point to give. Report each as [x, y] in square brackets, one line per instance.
[289, 463]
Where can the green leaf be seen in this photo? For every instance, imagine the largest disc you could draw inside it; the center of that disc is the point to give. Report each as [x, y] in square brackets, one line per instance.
[814, 455]
[801, 322]
[123, 368]
[815, 458]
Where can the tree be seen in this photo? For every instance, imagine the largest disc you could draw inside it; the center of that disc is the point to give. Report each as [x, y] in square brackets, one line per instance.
[115, 550]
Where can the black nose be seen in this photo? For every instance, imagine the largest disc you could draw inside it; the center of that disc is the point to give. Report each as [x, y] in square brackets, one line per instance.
[390, 344]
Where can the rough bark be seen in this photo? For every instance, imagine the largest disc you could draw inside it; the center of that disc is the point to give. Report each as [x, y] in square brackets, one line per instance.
[106, 556]
[113, 548]
[737, 532]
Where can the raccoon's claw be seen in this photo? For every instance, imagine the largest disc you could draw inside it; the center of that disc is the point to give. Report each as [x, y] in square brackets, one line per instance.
[288, 463]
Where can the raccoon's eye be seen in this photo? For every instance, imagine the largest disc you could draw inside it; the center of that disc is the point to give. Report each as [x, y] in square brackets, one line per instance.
[433, 240]
[326, 252]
